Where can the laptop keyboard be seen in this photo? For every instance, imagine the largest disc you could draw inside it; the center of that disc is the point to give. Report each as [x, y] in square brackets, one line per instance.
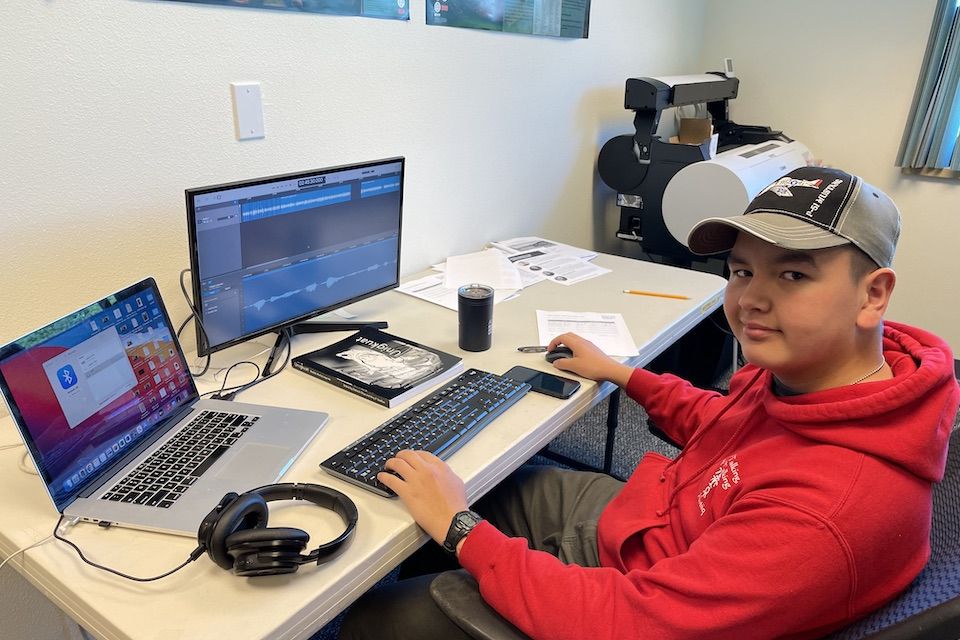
[169, 471]
[440, 423]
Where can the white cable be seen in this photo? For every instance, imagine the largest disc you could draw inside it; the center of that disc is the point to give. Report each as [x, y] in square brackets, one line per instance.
[24, 466]
[21, 550]
[218, 371]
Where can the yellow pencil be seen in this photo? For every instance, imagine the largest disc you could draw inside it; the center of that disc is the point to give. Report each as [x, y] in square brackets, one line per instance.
[655, 294]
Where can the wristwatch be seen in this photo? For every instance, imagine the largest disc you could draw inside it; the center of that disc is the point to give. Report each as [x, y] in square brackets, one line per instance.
[461, 525]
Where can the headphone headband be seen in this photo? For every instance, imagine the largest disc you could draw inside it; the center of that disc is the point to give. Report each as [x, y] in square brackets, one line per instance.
[317, 494]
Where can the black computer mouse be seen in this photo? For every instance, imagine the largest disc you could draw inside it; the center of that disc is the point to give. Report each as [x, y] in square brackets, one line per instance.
[558, 353]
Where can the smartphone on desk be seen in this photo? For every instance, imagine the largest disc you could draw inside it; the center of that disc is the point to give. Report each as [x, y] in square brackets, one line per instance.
[546, 383]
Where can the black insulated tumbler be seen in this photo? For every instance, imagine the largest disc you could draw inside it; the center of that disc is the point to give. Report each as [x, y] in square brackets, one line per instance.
[475, 312]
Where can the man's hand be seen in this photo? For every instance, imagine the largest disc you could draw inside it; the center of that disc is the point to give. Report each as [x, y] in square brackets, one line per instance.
[589, 361]
[428, 487]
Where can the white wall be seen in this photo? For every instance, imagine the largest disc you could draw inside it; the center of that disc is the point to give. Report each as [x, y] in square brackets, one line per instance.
[839, 76]
[109, 109]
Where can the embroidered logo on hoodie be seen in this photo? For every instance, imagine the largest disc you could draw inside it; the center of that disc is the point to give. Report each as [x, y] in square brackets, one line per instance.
[726, 475]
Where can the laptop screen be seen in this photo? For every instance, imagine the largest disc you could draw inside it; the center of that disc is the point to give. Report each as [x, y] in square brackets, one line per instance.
[87, 388]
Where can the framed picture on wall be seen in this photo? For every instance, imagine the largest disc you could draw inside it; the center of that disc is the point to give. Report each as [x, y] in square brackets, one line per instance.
[558, 18]
[388, 9]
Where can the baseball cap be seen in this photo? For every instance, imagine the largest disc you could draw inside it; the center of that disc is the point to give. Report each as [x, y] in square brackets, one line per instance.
[810, 208]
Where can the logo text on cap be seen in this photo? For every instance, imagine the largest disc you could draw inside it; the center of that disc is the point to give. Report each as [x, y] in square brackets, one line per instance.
[823, 196]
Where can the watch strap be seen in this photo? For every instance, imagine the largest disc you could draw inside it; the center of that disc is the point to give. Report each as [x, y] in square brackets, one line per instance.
[462, 524]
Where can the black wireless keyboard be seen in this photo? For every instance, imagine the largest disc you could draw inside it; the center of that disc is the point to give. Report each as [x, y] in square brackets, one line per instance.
[440, 423]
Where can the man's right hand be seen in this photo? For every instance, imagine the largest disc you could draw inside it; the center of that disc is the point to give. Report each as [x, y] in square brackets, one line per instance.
[589, 361]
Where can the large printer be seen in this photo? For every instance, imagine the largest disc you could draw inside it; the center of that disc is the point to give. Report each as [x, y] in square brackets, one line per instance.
[664, 188]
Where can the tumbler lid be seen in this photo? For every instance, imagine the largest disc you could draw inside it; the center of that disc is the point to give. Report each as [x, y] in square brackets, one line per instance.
[475, 291]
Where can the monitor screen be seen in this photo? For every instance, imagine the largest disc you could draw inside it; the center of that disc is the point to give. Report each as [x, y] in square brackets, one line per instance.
[270, 252]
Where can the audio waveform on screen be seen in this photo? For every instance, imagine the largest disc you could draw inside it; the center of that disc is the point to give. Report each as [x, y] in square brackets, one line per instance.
[329, 283]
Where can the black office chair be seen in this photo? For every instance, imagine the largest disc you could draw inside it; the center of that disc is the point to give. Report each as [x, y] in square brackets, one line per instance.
[928, 610]
[930, 607]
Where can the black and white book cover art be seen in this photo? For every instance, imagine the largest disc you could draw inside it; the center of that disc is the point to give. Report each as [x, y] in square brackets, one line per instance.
[380, 366]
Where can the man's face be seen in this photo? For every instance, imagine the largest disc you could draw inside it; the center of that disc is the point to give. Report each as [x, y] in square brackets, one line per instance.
[794, 312]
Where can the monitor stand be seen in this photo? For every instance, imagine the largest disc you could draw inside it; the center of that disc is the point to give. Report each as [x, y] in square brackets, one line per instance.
[286, 334]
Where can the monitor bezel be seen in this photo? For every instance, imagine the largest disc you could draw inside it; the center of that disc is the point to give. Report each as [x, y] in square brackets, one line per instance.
[204, 349]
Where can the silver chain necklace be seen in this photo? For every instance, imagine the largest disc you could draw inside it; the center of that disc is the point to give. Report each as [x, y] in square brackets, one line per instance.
[862, 378]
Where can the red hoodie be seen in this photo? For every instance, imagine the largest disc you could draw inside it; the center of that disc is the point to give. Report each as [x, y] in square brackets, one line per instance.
[782, 516]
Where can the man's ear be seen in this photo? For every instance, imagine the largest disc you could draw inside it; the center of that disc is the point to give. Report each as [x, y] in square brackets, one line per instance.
[876, 288]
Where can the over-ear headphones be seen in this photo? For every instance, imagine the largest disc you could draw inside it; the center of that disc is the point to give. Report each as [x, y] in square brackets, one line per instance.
[235, 534]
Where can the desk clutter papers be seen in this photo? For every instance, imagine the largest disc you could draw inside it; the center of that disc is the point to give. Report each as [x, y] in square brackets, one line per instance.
[606, 330]
[532, 243]
[490, 267]
[509, 266]
[556, 262]
[527, 278]
[561, 269]
[433, 289]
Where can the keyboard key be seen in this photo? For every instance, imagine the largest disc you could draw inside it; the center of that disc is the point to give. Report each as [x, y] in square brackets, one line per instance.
[170, 470]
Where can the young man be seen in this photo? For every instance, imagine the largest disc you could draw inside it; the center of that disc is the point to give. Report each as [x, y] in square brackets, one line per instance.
[800, 502]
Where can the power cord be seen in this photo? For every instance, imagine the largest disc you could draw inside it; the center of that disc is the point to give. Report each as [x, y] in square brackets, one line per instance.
[228, 393]
[24, 464]
[196, 318]
[224, 393]
[218, 371]
[23, 549]
[196, 553]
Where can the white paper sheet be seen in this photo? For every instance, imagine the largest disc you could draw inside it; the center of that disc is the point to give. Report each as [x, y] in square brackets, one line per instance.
[553, 261]
[432, 289]
[562, 268]
[489, 267]
[542, 245]
[606, 330]
[527, 278]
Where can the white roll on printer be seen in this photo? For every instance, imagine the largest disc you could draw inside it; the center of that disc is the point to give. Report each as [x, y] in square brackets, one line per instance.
[725, 184]
[664, 188]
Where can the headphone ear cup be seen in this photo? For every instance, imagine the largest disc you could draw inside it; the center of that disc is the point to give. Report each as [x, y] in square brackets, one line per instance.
[261, 552]
[205, 531]
[247, 512]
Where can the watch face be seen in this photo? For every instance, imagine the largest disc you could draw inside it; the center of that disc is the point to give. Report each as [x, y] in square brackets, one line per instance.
[466, 519]
[461, 525]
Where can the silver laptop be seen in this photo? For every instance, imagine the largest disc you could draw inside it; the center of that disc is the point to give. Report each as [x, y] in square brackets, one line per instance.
[112, 419]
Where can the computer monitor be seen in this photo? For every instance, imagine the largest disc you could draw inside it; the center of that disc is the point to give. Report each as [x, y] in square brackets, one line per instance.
[269, 253]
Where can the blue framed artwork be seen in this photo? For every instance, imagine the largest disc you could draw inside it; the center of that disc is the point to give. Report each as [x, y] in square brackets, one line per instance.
[558, 18]
[387, 9]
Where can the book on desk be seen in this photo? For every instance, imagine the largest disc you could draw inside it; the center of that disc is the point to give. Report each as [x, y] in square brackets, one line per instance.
[379, 366]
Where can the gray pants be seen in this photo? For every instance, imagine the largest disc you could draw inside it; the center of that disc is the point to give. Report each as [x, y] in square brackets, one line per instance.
[554, 509]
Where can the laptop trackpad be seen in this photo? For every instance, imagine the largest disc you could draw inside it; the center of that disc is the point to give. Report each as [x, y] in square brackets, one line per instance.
[259, 457]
